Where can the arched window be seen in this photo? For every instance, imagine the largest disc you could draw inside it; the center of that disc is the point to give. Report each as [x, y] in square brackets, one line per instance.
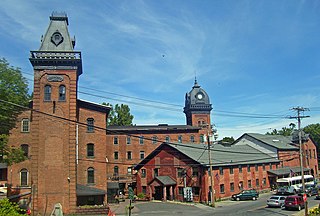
[90, 150]
[25, 149]
[90, 125]
[24, 177]
[62, 93]
[47, 93]
[90, 175]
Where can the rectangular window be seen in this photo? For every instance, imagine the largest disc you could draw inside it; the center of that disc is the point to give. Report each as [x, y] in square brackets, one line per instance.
[264, 167]
[231, 170]
[249, 184]
[25, 125]
[115, 140]
[155, 172]
[310, 155]
[222, 188]
[90, 150]
[128, 140]
[141, 140]
[201, 138]
[167, 139]
[143, 173]
[221, 170]
[179, 139]
[154, 140]
[270, 166]
[90, 125]
[129, 170]
[180, 190]
[240, 169]
[232, 187]
[192, 139]
[196, 191]
[314, 153]
[141, 154]
[144, 190]
[180, 172]
[129, 155]
[248, 168]
[116, 155]
[195, 171]
[257, 183]
[241, 185]
[264, 181]
[256, 167]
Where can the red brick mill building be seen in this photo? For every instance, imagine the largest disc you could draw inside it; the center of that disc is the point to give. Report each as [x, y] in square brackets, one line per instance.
[74, 159]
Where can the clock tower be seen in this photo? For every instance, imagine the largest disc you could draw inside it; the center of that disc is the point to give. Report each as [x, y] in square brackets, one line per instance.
[197, 107]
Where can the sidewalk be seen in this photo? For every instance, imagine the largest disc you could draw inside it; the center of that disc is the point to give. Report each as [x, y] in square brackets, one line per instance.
[121, 209]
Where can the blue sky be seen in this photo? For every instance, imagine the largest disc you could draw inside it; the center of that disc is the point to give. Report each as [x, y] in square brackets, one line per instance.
[253, 58]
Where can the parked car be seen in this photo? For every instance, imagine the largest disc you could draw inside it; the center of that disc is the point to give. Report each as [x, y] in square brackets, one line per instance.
[311, 190]
[286, 190]
[276, 201]
[294, 202]
[246, 195]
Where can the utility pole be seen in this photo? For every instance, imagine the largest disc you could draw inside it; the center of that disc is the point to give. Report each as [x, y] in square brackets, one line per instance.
[301, 151]
[212, 193]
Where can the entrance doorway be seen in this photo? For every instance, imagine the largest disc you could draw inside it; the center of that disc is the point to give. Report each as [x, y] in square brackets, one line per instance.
[158, 195]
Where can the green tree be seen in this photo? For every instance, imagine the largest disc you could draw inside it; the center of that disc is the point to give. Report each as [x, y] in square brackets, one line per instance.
[284, 131]
[9, 154]
[119, 115]
[14, 89]
[314, 131]
[9, 208]
[227, 140]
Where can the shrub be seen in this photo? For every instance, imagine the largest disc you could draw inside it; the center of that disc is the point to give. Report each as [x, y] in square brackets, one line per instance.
[141, 196]
[314, 212]
[9, 208]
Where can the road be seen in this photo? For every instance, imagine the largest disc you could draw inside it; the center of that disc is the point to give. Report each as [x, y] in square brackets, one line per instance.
[224, 208]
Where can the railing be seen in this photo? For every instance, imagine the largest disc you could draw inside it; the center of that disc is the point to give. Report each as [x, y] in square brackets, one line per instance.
[55, 55]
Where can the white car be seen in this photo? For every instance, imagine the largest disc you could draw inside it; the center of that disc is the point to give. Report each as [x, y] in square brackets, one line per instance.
[276, 201]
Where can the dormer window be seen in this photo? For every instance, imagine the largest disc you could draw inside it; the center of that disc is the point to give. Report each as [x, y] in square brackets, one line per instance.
[56, 38]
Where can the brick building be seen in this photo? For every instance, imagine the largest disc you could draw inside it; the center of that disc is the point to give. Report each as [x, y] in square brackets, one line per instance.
[61, 135]
[252, 161]
[73, 158]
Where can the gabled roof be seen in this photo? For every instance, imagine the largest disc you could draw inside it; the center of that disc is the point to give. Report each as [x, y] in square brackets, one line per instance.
[220, 155]
[164, 180]
[277, 141]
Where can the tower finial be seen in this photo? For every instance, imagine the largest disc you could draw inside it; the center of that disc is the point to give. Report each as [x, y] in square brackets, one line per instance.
[195, 78]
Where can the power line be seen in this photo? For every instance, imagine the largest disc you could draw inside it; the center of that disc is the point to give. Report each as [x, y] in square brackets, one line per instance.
[122, 133]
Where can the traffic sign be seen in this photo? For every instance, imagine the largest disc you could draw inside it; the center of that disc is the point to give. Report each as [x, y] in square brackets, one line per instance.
[304, 197]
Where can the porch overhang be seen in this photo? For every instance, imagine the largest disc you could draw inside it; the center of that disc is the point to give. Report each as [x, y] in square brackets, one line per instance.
[163, 181]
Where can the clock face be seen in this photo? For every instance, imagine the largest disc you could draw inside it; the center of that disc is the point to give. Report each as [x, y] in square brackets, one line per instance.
[199, 96]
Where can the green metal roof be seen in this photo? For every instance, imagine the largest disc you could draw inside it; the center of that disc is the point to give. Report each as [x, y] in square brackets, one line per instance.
[277, 141]
[222, 155]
